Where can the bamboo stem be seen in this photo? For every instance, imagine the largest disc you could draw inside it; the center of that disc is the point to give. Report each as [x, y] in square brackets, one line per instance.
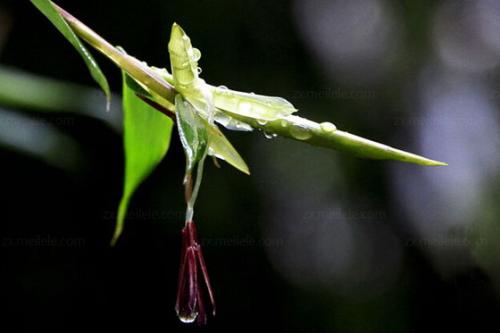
[136, 69]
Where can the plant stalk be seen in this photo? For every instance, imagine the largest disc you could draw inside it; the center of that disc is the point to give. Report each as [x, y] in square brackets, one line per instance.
[136, 69]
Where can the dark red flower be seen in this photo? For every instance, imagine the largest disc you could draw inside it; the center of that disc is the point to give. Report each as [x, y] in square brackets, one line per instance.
[190, 305]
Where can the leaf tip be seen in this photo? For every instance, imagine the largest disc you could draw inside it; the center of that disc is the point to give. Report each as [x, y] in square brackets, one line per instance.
[438, 163]
[117, 233]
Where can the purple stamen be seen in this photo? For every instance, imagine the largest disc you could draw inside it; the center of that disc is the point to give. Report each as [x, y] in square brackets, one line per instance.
[190, 305]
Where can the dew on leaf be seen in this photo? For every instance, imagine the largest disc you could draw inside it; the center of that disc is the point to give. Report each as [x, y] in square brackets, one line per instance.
[300, 133]
[196, 54]
[328, 127]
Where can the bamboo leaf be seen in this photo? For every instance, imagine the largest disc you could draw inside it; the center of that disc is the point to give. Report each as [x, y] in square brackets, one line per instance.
[48, 9]
[260, 107]
[183, 57]
[220, 147]
[327, 135]
[147, 134]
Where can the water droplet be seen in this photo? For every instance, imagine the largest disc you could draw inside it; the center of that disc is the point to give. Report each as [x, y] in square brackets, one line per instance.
[300, 133]
[283, 123]
[196, 54]
[188, 319]
[221, 89]
[270, 135]
[199, 70]
[252, 93]
[328, 127]
[262, 122]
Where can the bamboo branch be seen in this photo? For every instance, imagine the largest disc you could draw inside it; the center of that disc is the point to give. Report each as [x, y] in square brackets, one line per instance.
[294, 127]
[136, 69]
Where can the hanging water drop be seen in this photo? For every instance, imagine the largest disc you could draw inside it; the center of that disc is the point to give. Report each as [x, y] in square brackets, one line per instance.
[262, 122]
[300, 133]
[199, 70]
[189, 318]
[270, 135]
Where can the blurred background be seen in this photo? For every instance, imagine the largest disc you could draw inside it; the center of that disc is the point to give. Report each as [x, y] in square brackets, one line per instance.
[312, 241]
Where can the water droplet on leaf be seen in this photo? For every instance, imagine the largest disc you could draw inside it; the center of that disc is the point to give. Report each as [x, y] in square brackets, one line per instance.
[328, 127]
[223, 90]
[196, 54]
[300, 133]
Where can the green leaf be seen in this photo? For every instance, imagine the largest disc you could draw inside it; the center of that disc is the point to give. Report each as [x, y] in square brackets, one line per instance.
[47, 8]
[137, 87]
[192, 132]
[183, 58]
[220, 147]
[327, 135]
[260, 107]
[147, 134]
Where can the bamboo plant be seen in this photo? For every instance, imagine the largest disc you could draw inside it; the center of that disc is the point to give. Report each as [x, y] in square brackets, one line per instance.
[156, 99]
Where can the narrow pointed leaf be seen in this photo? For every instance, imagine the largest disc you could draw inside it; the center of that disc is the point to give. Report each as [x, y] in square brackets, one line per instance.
[220, 147]
[260, 107]
[183, 58]
[192, 132]
[147, 134]
[48, 9]
[326, 135]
